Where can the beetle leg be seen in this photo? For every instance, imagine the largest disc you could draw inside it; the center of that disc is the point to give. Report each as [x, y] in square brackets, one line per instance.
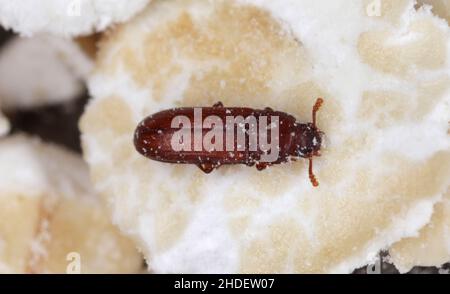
[206, 167]
[262, 165]
[218, 105]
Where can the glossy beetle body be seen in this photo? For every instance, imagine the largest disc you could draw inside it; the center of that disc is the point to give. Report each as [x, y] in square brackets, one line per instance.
[156, 136]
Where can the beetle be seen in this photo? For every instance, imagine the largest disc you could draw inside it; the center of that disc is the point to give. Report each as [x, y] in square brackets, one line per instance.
[156, 135]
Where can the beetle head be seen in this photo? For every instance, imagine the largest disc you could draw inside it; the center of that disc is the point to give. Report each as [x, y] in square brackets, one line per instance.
[309, 140]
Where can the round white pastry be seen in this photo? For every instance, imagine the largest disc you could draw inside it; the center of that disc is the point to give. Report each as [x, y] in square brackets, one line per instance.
[383, 71]
[52, 222]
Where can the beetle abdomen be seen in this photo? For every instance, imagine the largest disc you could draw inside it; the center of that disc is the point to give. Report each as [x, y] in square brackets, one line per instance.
[215, 135]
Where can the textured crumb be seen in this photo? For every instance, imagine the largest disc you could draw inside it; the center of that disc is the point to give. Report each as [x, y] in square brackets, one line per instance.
[51, 220]
[66, 17]
[385, 81]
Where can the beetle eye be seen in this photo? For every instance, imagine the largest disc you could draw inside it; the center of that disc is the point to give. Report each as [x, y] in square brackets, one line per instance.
[305, 150]
[323, 139]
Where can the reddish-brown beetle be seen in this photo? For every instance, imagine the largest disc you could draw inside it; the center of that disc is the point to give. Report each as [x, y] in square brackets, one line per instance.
[167, 136]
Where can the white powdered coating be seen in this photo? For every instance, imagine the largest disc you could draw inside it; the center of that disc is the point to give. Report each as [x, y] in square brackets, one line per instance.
[41, 70]
[30, 168]
[66, 17]
[14, 156]
[135, 190]
[217, 252]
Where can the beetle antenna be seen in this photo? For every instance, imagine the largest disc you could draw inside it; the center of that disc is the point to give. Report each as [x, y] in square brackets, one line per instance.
[316, 108]
[312, 177]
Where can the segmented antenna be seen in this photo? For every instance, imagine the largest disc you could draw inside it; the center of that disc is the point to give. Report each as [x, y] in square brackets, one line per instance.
[316, 108]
